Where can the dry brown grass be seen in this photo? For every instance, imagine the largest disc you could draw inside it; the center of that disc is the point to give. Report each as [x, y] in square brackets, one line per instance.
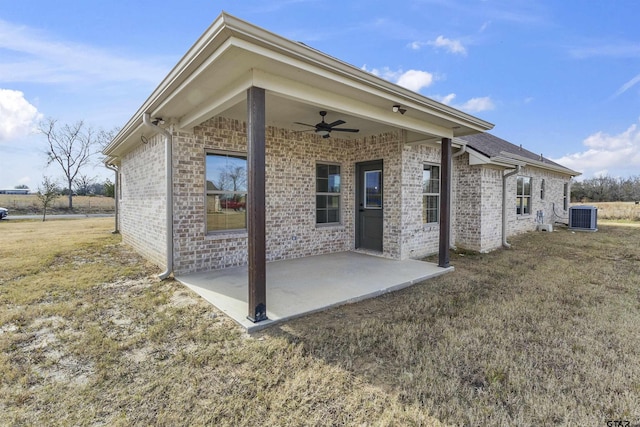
[29, 204]
[544, 334]
[616, 211]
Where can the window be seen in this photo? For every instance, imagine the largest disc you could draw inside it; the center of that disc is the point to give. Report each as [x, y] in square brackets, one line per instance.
[373, 189]
[226, 187]
[523, 196]
[565, 196]
[327, 194]
[430, 194]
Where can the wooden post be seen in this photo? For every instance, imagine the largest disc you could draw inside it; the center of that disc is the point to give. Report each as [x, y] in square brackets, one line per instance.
[256, 151]
[445, 203]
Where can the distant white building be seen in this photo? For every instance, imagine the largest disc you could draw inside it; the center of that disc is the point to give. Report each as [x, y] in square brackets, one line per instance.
[14, 191]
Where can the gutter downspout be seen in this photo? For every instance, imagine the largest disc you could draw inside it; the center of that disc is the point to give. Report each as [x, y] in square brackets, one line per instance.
[460, 152]
[504, 205]
[146, 120]
[116, 190]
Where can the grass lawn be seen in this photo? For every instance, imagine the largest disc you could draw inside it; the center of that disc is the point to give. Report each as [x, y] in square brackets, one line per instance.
[547, 333]
[28, 204]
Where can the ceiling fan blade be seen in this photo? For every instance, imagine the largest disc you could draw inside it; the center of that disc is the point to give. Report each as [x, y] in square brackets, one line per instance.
[345, 130]
[336, 123]
[304, 124]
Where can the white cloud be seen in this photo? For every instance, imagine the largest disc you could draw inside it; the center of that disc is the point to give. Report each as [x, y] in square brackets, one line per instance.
[32, 56]
[484, 26]
[628, 85]
[451, 46]
[447, 99]
[17, 116]
[474, 105]
[414, 80]
[598, 48]
[617, 154]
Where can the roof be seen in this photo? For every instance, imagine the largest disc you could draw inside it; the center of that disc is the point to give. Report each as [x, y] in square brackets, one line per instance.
[498, 151]
[233, 55]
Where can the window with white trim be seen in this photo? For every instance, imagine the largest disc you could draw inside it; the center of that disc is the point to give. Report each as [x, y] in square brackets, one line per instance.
[327, 193]
[430, 194]
[226, 190]
[523, 195]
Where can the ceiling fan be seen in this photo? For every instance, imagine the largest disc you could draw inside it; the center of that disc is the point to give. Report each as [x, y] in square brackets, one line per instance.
[324, 129]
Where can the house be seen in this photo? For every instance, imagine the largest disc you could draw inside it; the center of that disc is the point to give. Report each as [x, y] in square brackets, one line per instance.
[502, 189]
[256, 148]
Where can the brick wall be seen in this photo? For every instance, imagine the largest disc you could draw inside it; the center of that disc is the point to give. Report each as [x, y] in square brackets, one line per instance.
[490, 208]
[418, 239]
[466, 213]
[291, 159]
[290, 194]
[478, 203]
[554, 187]
[143, 200]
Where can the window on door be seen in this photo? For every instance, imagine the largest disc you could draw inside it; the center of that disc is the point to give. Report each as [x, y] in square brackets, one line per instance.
[430, 194]
[226, 189]
[373, 189]
[523, 195]
[327, 193]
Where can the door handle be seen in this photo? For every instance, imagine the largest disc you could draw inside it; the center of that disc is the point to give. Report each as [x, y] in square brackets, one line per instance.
[361, 210]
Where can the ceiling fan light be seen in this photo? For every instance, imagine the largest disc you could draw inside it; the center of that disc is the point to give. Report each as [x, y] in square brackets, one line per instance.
[322, 132]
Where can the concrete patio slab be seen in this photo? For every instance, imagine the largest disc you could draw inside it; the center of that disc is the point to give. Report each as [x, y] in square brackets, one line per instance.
[305, 285]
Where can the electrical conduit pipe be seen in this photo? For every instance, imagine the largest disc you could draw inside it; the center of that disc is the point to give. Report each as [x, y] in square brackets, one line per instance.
[146, 120]
[504, 205]
[114, 168]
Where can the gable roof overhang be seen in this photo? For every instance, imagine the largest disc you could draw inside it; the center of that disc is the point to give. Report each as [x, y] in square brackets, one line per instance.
[510, 161]
[233, 55]
[488, 149]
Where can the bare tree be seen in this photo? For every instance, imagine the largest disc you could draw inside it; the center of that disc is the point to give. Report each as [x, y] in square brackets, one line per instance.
[72, 147]
[84, 185]
[47, 193]
[233, 178]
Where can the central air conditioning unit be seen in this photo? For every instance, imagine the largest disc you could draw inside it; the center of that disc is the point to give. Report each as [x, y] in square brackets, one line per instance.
[583, 218]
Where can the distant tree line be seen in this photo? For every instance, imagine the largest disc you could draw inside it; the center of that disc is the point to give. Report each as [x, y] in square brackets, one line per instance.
[606, 189]
[83, 186]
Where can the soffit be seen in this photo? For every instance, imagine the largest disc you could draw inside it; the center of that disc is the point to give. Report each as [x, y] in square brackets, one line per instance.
[212, 78]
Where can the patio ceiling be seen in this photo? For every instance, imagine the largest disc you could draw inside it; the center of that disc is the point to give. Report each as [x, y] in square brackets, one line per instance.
[232, 55]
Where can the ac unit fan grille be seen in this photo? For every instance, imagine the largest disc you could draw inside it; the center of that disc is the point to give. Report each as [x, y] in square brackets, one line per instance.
[583, 218]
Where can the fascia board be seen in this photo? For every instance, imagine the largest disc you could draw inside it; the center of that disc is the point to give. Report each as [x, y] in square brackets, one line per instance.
[315, 62]
[476, 158]
[304, 93]
[543, 165]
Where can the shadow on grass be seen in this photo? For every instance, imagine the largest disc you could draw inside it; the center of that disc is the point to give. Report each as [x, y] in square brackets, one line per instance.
[540, 334]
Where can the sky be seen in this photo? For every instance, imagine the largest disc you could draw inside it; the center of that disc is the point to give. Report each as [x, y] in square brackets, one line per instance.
[562, 78]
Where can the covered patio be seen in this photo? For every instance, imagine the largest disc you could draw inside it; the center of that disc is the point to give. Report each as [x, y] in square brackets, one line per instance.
[301, 286]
